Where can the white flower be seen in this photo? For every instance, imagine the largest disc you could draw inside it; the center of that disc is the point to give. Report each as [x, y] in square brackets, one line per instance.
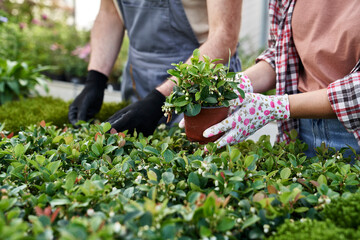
[117, 227]
[299, 174]
[266, 228]
[200, 171]
[90, 212]
[111, 214]
[252, 209]
[250, 175]
[328, 200]
[294, 179]
[216, 183]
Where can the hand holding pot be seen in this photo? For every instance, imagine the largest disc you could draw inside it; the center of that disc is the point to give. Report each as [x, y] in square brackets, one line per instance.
[244, 84]
[256, 110]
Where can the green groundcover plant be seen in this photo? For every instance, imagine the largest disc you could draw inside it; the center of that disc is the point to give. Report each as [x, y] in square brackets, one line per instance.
[52, 110]
[95, 183]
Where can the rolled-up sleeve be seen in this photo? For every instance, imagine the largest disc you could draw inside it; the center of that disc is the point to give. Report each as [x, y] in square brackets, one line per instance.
[344, 97]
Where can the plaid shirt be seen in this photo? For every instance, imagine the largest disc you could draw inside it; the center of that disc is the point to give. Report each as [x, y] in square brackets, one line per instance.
[343, 94]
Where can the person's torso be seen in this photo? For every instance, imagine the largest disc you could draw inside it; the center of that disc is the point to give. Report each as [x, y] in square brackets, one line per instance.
[197, 15]
[326, 36]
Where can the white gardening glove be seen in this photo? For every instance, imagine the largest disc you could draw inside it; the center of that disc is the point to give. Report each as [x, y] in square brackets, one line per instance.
[244, 84]
[255, 111]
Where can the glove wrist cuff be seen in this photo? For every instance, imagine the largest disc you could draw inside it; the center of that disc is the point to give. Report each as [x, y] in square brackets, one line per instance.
[283, 107]
[244, 82]
[97, 78]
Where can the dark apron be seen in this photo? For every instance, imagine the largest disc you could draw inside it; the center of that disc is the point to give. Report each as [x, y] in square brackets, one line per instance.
[159, 34]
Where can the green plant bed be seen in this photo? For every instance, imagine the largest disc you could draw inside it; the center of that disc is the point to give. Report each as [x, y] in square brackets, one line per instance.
[314, 230]
[94, 183]
[17, 115]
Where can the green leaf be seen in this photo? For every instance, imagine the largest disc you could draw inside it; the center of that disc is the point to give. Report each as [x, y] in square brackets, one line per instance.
[19, 150]
[301, 209]
[152, 150]
[70, 180]
[194, 179]
[57, 202]
[211, 100]
[250, 221]
[53, 166]
[168, 155]
[225, 224]
[285, 173]
[248, 160]
[106, 127]
[322, 179]
[193, 110]
[97, 149]
[168, 177]
[152, 175]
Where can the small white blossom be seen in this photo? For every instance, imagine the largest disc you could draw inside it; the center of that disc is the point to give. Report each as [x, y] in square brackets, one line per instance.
[90, 212]
[111, 214]
[252, 209]
[117, 227]
[328, 200]
[294, 179]
[266, 228]
[250, 175]
[216, 183]
[299, 174]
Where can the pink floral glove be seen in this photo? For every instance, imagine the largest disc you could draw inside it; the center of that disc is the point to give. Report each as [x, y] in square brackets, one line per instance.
[244, 84]
[255, 111]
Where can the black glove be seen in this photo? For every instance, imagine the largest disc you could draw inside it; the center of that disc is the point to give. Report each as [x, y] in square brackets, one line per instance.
[89, 101]
[143, 115]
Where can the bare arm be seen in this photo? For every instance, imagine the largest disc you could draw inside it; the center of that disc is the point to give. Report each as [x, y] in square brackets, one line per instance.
[314, 104]
[106, 38]
[224, 27]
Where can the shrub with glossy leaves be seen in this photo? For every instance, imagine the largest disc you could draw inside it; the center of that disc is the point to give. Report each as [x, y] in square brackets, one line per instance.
[313, 230]
[344, 212]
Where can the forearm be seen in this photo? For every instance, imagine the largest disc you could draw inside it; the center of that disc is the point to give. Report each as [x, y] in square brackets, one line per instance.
[262, 76]
[224, 27]
[313, 104]
[106, 38]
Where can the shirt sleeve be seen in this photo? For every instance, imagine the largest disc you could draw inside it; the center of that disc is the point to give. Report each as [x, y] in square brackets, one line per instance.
[275, 16]
[344, 97]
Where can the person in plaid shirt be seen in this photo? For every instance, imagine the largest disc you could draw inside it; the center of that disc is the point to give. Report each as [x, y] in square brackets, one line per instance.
[313, 61]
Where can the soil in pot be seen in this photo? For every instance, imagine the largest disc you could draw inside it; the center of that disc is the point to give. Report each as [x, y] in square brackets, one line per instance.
[195, 126]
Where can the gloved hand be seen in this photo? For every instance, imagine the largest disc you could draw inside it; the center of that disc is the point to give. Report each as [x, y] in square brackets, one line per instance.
[244, 84]
[89, 101]
[142, 115]
[255, 111]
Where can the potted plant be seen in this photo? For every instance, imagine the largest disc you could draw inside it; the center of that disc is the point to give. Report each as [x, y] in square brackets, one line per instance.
[203, 92]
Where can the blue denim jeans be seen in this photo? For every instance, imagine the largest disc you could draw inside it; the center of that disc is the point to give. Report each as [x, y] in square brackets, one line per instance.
[330, 131]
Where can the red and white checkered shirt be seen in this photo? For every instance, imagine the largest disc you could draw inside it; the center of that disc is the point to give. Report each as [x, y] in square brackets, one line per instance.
[343, 94]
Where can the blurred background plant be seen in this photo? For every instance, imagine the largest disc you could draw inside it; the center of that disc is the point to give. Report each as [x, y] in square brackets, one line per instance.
[41, 33]
[18, 80]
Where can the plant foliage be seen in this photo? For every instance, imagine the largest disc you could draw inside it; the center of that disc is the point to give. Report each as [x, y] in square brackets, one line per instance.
[18, 80]
[17, 115]
[200, 84]
[90, 183]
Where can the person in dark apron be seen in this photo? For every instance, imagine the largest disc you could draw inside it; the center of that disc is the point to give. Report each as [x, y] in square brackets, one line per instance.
[160, 34]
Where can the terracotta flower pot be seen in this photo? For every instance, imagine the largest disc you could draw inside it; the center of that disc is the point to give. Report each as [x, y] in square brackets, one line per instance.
[195, 126]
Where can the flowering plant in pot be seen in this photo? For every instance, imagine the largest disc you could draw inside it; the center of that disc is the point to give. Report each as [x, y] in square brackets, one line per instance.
[202, 87]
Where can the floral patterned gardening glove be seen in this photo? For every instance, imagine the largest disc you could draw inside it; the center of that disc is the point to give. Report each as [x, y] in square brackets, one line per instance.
[255, 111]
[244, 84]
